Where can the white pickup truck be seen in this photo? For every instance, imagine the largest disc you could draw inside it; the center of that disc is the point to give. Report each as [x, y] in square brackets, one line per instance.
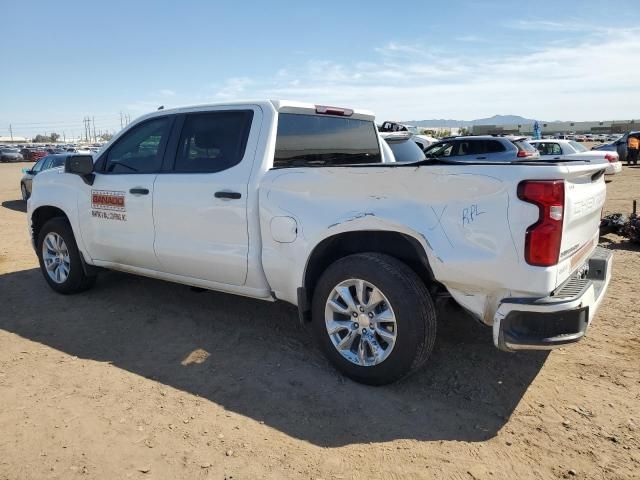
[303, 203]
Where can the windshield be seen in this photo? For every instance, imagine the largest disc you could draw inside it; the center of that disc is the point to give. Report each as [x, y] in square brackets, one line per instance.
[58, 161]
[406, 151]
[317, 140]
[578, 147]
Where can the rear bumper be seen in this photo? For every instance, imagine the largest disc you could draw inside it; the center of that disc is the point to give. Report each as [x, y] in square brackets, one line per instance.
[559, 319]
[613, 168]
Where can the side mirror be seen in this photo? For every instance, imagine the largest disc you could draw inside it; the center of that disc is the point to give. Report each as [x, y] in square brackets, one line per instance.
[80, 165]
[25, 170]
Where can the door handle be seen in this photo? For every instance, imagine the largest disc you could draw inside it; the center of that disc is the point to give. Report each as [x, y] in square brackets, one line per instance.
[481, 158]
[139, 191]
[229, 195]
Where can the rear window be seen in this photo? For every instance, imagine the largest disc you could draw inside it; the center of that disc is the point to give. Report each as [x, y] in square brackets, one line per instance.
[577, 147]
[406, 151]
[316, 140]
[524, 146]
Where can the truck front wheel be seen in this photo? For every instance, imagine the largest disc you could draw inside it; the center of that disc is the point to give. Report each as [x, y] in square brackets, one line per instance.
[59, 258]
[373, 318]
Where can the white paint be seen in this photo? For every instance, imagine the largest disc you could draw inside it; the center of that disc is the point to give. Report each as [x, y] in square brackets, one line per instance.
[467, 218]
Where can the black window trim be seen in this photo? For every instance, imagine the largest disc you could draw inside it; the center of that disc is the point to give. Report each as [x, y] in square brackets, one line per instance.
[101, 162]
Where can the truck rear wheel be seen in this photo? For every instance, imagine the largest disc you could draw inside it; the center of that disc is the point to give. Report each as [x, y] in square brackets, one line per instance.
[60, 260]
[373, 318]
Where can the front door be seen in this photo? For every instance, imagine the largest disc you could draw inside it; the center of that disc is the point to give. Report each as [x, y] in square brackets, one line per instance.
[117, 210]
[200, 203]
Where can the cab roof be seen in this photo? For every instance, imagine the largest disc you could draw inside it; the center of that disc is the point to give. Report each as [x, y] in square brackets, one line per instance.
[281, 106]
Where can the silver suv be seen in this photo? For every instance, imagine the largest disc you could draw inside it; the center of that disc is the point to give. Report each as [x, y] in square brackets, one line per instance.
[483, 148]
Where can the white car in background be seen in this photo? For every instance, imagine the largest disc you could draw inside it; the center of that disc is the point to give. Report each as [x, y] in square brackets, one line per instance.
[423, 141]
[555, 149]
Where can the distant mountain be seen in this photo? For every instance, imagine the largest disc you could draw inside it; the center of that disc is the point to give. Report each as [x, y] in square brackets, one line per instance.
[495, 120]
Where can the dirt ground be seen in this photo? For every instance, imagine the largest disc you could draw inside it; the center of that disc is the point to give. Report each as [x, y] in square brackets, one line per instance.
[143, 379]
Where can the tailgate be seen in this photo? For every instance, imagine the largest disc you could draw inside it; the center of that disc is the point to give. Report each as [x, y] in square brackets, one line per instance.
[585, 193]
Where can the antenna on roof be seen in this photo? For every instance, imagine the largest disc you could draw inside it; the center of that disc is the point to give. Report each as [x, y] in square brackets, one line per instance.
[161, 107]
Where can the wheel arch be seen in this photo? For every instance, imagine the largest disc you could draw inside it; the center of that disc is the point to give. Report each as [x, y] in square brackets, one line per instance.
[401, 246]
[42, 215]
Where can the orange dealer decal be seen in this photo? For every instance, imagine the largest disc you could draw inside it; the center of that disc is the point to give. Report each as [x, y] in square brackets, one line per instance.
[107, 200]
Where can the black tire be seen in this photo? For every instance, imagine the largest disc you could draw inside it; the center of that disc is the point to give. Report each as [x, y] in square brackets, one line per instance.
[77, 281]
[25, 192]
[410, 300]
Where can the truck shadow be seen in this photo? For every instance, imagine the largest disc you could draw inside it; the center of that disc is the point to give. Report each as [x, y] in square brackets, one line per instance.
[15, 205]
[254, 358]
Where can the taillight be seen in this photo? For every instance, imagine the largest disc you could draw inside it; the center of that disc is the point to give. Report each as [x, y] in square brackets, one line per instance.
[543, 238]
[610, 157]
[524, 154]
[343, 112]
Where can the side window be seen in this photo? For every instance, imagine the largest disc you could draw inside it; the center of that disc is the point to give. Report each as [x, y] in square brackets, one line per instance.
[440, 150]
[214, 141]
[493, 146]
[140, 149]
[38, 166]
[470, 147]
[555, 149]
[549, 149]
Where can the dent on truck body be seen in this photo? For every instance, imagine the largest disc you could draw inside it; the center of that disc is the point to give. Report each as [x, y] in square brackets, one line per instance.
[460, 219]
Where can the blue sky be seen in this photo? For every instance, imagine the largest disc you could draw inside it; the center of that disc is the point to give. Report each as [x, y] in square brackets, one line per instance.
[568, 60]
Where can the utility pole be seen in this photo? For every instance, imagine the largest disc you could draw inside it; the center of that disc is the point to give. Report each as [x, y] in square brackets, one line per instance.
[121, 125]
[93, 121]
[11, 132]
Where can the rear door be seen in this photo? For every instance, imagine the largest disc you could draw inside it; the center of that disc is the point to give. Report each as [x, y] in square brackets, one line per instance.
[200, 198]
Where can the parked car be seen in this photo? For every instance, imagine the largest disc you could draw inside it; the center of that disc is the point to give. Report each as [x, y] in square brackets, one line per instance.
[45, 163]
[423, 141]
[605, 147]
[485, 148]
[301, 203]
[558, 149]
[31, 154]
[403, 147]
[621, 144]
[10, 155]
[54, 150]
